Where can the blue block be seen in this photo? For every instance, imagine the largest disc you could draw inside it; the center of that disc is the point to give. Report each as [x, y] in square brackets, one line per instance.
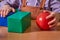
[3, 20]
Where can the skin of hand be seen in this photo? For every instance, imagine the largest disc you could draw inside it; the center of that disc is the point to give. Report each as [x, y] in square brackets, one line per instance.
[5, 10]
[53, 22]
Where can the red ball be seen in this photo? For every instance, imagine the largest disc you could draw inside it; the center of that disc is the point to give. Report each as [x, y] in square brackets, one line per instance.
[42, 22]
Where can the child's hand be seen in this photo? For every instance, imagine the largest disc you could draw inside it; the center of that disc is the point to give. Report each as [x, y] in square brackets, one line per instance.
[5, 10]
[52, 23]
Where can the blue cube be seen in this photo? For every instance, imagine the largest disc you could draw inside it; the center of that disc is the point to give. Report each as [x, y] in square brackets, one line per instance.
[3, 20]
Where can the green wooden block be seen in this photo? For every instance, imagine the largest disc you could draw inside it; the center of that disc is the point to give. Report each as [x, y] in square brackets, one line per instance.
[19, 22]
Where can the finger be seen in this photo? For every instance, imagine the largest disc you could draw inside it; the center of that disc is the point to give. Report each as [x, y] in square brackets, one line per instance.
[51, 22]
[13, 9]
[4, 13]
[53, 25]
[52, 14]
[7, 11]
[1, 13]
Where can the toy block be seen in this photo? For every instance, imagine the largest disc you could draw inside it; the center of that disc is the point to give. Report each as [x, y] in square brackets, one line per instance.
[3, 20]
[19, 22]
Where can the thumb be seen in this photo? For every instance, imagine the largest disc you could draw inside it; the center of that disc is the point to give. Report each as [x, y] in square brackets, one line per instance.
[13, 10]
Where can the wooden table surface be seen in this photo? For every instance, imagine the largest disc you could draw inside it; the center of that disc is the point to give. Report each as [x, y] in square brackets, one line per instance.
[34, 33]
[41, 35]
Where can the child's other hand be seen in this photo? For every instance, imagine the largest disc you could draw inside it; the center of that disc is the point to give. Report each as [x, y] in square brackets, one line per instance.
[53, 22]
[5, 10]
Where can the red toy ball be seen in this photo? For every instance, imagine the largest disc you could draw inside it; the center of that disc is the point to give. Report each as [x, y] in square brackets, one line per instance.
[42, 22]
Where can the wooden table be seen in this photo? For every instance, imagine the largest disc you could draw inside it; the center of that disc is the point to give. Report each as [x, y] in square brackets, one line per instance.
[41, 35]
[34, 33]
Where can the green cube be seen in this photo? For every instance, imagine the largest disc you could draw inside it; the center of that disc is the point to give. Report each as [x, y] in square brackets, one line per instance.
[19, 22]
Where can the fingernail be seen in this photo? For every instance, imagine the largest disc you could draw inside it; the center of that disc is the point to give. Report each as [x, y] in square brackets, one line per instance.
[1, 15]
[48, 23]
[46, 17]
[50, 26]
